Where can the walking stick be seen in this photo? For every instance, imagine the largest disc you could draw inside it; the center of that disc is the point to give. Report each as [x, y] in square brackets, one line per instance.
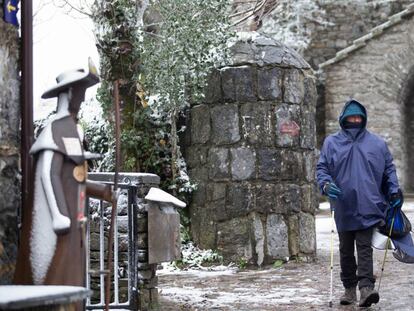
[386, 250]
[332, 236]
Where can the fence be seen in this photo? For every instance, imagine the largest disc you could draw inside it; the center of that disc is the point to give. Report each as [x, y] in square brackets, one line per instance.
[134, 281]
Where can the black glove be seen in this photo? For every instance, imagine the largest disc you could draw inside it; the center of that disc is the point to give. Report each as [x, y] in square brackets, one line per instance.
[331, 190]
[396, 201]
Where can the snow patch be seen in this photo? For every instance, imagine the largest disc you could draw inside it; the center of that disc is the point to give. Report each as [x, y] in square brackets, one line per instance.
[13, 293]
[43, 238]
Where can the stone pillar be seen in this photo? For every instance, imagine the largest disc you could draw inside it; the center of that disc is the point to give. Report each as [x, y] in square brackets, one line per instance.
[252, 154]
[10, 199]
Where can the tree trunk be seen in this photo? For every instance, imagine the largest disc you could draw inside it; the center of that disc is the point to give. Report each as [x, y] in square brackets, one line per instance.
[174, 145]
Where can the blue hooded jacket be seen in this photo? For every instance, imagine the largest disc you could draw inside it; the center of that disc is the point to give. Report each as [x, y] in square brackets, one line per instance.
[361, 165]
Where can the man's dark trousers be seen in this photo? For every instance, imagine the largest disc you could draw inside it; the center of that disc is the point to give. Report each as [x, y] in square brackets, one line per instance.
[349, 267]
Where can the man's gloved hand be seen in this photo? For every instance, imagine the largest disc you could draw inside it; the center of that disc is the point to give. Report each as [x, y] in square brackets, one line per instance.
[331, 190]
[396, 201]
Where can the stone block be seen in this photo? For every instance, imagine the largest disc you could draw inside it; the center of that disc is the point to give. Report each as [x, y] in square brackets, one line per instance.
[216, 197]
[259, 238]
[234, 239]
[277, 245]
[146, 274]
[268, 164]
[196, 156]
[94, 242]
[294, 88]
[291, 165]
[225, 124]
[310, 96]
[200, 124]
[288, 198]
[154, 296]
[242, 53]
[270, 55]
[142, 224]
[293, 233]
[309, 165]
[307, 234]
[199, 195]
[238, 84]
[122, 224]
[265, 198]
[198, 174]
[243, 165]
[308, 127]
[144, 299]
[203, 227]
[123, 242]
[269, 84]
[219, 164]
[309, 198]
[291, 58]
[240, 199]
[257, 123]
[143, 240]
[151, 283]
[142, 255]
[216, 191]
[227, 83]
[212, 92]
[287, 125]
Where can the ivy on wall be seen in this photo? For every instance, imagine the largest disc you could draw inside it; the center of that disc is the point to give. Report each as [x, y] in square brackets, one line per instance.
[161, 52]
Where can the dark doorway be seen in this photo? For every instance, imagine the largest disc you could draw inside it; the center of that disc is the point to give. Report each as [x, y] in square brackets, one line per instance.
[408, 114]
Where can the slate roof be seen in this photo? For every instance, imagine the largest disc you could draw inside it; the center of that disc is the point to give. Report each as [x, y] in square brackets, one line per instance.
[375, 32]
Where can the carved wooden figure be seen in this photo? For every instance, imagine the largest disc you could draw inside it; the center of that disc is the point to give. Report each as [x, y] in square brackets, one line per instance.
[52, 248]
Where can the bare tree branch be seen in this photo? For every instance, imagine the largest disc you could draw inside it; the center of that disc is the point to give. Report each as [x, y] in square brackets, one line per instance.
[258, 11]
[79, 9]
[253, 12]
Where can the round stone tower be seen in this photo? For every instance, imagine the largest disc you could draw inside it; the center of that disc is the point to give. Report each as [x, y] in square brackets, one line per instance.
[252, 152]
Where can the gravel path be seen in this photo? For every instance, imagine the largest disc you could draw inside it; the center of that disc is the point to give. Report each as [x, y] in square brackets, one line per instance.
[294, 286]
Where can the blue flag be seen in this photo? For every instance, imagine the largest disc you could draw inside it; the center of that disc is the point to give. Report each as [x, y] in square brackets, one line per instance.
[10, 12]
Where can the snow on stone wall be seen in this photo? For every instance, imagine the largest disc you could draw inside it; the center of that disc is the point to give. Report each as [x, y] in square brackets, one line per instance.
[252, 153]
[9, 148]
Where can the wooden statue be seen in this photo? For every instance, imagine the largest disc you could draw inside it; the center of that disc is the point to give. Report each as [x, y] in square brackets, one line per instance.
[52, 249]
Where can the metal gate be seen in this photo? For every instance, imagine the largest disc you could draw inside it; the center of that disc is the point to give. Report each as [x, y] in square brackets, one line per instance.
[124, 277]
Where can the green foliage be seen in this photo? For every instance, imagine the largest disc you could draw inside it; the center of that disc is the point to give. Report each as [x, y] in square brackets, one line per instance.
[192, 256]
[189, 40]
[242, 263]
[177, 59]
[161, 68]
[278, 263]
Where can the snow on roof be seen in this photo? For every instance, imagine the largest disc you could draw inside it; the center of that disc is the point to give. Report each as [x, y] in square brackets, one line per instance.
[375, 32]
[158, 195]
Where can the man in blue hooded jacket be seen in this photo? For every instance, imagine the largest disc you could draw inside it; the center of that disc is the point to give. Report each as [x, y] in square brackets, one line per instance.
[356, 171]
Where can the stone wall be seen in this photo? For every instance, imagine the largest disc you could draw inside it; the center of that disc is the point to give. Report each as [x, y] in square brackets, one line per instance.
[379, 75]
[337, 23]
[252, 153]
[9, 147]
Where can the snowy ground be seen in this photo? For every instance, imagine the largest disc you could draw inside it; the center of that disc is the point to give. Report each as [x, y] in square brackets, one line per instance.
[294, 286]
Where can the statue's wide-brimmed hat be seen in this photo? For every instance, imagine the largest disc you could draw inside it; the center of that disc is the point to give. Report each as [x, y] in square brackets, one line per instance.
[71, 77]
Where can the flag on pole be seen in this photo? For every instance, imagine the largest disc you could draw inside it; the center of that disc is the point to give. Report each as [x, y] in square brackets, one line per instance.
[10, 12]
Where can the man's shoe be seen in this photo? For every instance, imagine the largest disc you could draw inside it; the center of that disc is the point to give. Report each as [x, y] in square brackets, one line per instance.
[349, 296]
[368, 296]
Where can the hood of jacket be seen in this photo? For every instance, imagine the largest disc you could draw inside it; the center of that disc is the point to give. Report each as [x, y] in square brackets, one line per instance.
[342, 115]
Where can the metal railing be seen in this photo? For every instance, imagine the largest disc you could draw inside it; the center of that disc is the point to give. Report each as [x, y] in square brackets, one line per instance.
[119, 273]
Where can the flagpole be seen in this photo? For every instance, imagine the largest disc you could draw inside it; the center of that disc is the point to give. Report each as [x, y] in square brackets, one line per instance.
[26, 102]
